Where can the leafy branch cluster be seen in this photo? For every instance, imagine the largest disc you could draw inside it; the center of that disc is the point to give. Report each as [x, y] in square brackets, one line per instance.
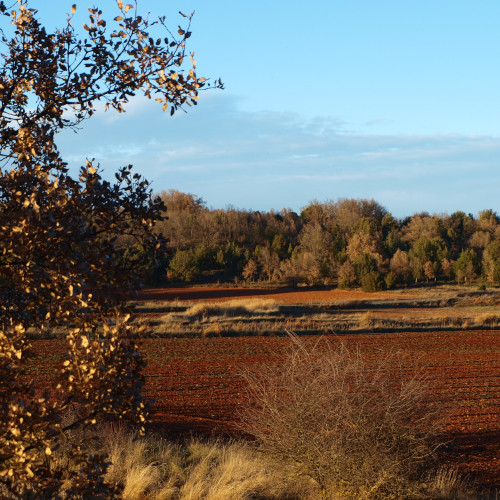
[60, 264]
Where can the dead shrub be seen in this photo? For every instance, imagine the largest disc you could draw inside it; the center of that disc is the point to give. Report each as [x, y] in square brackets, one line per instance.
[359, 427]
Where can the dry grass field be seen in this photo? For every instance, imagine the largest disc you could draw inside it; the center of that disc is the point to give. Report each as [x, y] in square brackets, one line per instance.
[202, 312]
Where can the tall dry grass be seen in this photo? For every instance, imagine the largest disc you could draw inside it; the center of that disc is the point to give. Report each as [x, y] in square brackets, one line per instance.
[230, 309]
[152, 468]
[487, 319]
[449, 483]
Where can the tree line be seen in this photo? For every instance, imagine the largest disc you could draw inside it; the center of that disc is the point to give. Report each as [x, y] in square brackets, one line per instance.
[349, 242]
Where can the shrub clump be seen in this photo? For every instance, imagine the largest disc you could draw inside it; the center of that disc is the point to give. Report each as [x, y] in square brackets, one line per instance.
[359, 427]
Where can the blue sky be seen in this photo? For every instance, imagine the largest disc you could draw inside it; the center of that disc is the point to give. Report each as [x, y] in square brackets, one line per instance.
[396, 101]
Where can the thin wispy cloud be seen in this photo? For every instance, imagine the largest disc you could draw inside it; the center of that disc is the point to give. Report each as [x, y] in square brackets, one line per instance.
[269, 160]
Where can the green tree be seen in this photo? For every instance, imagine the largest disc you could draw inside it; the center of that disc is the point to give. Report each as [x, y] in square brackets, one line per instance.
[372, 282]
[390, 280]
[58, 234]
[365, 264]
[426, 257]
[392, 242]
[467, 266]
[459, 228]
[367, 273]
[231, 258]
[339, 244]
[184, 266]
[280, 245]
[424, 249]
[417, 268]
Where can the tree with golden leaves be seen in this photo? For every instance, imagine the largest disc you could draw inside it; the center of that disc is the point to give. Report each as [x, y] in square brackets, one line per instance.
[59, 259]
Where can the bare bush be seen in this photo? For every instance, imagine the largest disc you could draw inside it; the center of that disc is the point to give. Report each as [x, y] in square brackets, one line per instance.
[359, 426]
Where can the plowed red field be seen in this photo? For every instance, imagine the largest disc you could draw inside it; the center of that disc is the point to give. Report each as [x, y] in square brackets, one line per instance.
[282, 295]
[196, 383]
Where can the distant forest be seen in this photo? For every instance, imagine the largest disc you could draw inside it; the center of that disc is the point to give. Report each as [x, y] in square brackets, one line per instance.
[348, 242]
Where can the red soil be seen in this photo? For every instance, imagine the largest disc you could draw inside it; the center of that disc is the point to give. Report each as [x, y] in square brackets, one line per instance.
[198, 387]
[284, 295]
[197, 384]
